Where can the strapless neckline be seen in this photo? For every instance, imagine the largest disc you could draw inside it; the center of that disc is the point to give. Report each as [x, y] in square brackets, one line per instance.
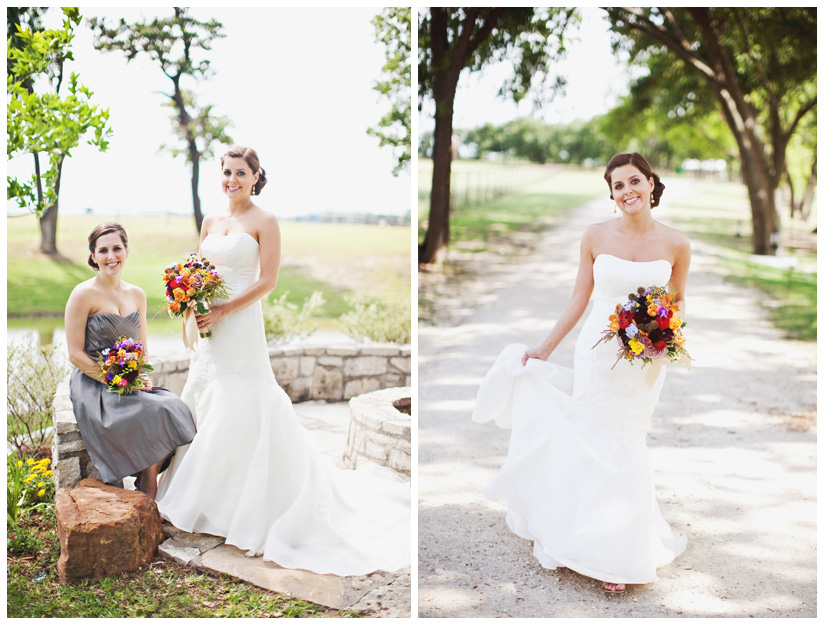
[629, 261]
[243, 232]
[116, 314]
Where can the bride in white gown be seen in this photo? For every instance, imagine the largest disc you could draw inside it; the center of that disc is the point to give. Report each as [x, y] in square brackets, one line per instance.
[252, 474]
[577, 480]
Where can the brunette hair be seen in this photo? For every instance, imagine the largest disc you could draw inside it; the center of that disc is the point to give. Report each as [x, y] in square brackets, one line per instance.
[104, 229]
[251, 158]
[640, 163]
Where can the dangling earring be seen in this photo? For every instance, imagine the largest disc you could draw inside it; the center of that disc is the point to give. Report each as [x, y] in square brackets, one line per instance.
[615, 209]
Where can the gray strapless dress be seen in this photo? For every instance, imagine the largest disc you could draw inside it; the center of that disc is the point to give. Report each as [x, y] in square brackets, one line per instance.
[124, 438]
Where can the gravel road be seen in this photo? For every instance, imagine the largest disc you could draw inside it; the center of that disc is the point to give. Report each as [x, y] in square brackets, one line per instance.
[733, 447]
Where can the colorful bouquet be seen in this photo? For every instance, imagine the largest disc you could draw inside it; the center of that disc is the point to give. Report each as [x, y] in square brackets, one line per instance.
[647, 328]
[122, 365]
[190, 286]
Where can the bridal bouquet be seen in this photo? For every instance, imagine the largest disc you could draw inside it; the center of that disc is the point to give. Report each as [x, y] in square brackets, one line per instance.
[190, 286]
[647, 328]
[122, 365]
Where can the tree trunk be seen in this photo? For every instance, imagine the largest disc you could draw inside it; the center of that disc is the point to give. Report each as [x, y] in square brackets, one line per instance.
[195, 157]
[48, 221]
[808, 199]
[434, 248]
[445, 82]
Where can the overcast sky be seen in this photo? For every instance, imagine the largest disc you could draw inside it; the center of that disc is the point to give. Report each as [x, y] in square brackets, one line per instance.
[297, 85]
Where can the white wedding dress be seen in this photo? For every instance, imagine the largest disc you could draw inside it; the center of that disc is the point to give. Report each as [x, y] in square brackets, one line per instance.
[253, 475]
[577, 480]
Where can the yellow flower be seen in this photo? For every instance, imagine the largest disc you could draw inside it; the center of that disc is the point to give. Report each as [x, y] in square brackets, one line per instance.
[636, 346]
[680, 340]
[116, 379]
[180, 295]
[28, 478]
[652, 310]
[40, 493]
[41, 484]
[48, 473]
[29, 461]
[675, 323]
[45, 461]
[19, 463]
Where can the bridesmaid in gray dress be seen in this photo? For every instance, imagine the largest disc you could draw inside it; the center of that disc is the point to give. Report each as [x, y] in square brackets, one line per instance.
[134, 434]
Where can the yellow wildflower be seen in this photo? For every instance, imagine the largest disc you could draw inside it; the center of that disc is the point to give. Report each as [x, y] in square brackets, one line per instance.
[29, 461]
[116, 379]
[40, 493]
[41, 484]
[636, 346]
[19, 463]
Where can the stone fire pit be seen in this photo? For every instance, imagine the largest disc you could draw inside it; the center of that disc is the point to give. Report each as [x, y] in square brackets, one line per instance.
[379, 429]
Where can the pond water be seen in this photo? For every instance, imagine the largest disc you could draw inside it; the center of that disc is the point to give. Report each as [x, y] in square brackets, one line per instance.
[164, 334]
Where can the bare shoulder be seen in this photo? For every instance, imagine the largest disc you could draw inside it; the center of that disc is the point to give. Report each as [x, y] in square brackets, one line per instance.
[595, 234]
[82, 293]
[676, 239]
[208, 222]
[266, 223]
[134, 291]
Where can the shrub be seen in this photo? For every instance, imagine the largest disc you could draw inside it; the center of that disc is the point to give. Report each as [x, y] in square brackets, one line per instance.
[285, 321]
[377, 320]
[29, 486]
[33, 372]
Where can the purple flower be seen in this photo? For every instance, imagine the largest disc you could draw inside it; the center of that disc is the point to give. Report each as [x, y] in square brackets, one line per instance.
[662, 312]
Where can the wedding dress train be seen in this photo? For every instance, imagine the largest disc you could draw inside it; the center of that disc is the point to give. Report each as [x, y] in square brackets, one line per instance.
[577, 480]
[253, 475]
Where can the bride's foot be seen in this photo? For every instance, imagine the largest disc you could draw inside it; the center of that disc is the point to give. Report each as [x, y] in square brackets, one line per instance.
[614, 587]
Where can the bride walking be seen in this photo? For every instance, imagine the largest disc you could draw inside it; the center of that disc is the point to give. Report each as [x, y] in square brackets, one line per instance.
[252, 474]
[577, 480]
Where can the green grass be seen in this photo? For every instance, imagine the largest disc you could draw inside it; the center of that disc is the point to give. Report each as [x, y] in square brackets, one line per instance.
[37, 285]
[538, 195]
[160, 591]
[718, 213]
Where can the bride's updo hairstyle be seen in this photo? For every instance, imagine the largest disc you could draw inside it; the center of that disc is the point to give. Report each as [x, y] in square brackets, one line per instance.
[104, 229]
[251, 158]
[639, 162]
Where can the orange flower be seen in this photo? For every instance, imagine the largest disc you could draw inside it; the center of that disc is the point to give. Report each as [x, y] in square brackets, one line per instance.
[614, 323]
[652, 310]
[180, 295]
[174, 307]
[675, 323]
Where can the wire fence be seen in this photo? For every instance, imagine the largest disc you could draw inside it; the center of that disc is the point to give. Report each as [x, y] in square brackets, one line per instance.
[476, 183]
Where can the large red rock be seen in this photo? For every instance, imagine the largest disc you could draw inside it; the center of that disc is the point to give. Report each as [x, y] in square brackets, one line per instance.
[104, 530]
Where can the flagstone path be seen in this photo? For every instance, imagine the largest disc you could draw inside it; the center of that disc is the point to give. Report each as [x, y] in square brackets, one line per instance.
[380, 594]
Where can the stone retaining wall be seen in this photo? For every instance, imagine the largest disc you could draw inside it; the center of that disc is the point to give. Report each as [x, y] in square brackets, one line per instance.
[378, 432]
[332, 373]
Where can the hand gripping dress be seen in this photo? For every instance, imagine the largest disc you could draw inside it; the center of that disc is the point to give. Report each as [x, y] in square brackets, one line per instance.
[124, 434]
[253, 474]
[577, 480]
